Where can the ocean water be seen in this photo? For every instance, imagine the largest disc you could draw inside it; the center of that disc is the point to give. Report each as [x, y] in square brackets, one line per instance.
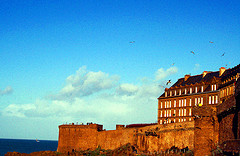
[26, 146]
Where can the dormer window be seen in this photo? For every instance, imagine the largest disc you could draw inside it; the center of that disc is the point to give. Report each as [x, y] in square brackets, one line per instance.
[190, 90]
[170, 93]
[195, 89]
[202, 89]
[215, 87]
[165, 94]
[180, 92]
[175, 92]
[185, 90]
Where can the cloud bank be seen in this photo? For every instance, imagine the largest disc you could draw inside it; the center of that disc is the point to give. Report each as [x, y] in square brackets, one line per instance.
[98, 97]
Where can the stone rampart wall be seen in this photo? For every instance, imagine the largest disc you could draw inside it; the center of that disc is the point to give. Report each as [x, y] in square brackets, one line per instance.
[149, 138]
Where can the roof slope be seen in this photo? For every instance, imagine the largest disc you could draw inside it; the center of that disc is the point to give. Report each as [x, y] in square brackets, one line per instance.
[196, 79]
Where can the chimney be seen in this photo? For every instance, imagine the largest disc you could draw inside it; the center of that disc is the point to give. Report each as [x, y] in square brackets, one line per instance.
[186, 77]
[221, 70]
[204, 73]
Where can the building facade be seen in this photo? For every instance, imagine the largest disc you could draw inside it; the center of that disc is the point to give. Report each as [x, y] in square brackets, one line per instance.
[177, 102]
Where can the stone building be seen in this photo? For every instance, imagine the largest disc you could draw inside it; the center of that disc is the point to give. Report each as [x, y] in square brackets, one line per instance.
[177, 102]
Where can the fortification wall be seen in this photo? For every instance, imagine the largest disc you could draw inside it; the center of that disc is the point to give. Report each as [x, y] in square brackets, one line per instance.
[149, 138]
[77, 137]
[163, 137]
[113, 139]
[206, 130]
[229, 125]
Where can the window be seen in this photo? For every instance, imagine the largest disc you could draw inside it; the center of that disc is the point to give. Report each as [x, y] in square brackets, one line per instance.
[212, 99]
[185, 90]
[161, 104]
[185, 112]
[190, 119]
[179, 103]
[201, 100]
[170, 93]
[190, 112]
[174, 103]
[160, 121]
[195, 89]
[209, 100]
[174, 112]
[195, 101]
[190, 102]
[161, 114]
[165, 94]
[216, 99]
[175, 92]
[215, 87]
[165, 113]
[165, 105]
[179, 112]
[179, 120]
[202, 89]
[180, 91]
[190, 90]
[182, 112]
[170, 104]
[182, 103]
[185, 102]
[174, 120]
[184, 119]
[169, 112]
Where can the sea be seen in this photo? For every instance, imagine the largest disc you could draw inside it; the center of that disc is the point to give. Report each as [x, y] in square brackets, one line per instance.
[26, 146]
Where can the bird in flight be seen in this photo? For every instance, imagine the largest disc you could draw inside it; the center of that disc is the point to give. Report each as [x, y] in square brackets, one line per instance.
[173, 64]
[223, 54]
[192, 52]
[169, 81]
[132, 42]
[210, 42]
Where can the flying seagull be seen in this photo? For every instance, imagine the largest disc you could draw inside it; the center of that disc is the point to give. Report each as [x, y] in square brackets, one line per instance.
[192, 52]
[132, 42]
[210, 42]
[169, 81]
[223, 54]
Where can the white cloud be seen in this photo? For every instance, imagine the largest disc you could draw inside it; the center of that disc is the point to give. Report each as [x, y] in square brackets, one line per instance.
[127, 89]
[114, 103]
[161, 74]
[85, 83]
[7, 90]
[17, 110]
[197, 67]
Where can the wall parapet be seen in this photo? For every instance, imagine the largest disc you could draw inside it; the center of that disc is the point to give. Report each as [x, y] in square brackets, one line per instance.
[89, 126]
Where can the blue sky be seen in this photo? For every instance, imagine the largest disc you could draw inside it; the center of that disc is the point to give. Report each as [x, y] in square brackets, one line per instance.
[71, 61]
